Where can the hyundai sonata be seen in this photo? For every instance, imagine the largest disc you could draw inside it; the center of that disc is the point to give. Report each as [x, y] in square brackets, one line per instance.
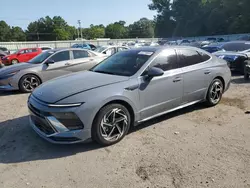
[125, 89]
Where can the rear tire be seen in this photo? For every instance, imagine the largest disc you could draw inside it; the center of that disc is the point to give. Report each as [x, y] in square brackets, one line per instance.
[111, 124]
[214, 93]
[28, 83]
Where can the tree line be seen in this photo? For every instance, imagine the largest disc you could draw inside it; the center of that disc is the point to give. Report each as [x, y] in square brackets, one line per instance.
[182, 18]
[56, 28]
[174, 18]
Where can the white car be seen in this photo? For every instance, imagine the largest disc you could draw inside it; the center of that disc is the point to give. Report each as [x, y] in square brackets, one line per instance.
[45, 48]
[110, 50]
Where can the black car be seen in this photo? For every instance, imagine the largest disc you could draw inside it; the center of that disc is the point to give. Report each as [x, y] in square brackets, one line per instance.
[235, 54]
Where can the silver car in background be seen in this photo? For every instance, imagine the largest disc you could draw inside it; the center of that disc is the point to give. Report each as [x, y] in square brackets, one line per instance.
[110, 50]
[127, 88]
[47, 65]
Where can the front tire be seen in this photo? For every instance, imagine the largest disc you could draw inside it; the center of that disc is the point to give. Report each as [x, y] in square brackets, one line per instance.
[14, 61]
[111, 124]
[214, 93]
[28, 83]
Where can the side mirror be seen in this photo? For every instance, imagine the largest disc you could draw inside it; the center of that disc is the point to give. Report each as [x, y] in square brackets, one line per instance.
[50, 61]
[154, 72]
[18, 53]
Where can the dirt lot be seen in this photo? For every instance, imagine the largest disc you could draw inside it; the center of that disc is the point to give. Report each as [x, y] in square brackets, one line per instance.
[194, 147]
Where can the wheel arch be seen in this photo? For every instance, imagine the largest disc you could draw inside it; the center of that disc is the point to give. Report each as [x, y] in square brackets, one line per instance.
[125, 104]
[222, 80]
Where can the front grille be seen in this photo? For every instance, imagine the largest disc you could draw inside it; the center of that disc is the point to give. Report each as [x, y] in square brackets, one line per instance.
[42, 125]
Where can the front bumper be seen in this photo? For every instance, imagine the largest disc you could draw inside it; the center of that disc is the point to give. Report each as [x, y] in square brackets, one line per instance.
[6, 62]
[7, 85]
[51, 129]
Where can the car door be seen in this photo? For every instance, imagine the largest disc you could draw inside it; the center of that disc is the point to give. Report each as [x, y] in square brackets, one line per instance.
[196, 74]
[162, 93]
[82, 60]
[22, 55]
[31, 53]
[60, 66]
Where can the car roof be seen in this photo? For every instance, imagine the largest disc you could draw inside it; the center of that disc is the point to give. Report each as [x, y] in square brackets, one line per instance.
[63, 49]
[160, 48]
[219, 44]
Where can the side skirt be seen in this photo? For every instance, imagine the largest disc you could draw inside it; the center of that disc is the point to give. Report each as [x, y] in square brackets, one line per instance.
[168, 111]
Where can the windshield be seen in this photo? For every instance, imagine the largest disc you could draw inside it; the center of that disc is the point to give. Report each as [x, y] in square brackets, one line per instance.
[125, 63]
[41, 57]
[237, 47]
[99, 49]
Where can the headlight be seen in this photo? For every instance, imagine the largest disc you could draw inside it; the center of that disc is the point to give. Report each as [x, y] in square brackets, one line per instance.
[65, 105]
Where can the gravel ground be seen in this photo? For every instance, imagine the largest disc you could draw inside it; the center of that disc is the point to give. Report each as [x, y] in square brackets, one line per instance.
[194, 147]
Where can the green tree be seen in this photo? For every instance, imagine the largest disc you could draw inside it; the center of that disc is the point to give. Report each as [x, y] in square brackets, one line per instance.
[144, 28]
[116, 30]
[96, 32]
[4, 31]
[47, 28]
[17, 34]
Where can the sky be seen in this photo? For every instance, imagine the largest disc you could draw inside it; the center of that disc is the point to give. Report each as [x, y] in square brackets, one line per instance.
[88, 11]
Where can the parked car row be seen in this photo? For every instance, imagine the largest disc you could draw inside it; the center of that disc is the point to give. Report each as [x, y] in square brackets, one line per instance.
[236, 53]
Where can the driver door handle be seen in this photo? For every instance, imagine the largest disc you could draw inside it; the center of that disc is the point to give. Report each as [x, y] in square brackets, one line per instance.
[177, 79]
[207, 72]
[67, 64]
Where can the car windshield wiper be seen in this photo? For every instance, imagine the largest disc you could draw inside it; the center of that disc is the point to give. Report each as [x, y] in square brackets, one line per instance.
[104, 72]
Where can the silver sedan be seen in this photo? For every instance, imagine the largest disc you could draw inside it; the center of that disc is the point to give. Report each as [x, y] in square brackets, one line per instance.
[47, 65]
[127, 88]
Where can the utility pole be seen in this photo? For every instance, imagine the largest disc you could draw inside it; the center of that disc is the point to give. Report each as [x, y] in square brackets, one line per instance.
[80, 28]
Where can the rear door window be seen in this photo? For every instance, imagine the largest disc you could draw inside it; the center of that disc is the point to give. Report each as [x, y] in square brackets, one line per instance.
[80, 54]
[188, 57]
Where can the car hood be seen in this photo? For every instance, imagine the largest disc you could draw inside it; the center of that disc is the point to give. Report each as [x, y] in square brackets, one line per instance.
[16, 67]
[60, 88]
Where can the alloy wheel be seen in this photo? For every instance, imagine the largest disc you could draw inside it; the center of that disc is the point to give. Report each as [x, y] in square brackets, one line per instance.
[216, 92]
[30, 83]
[114, 124]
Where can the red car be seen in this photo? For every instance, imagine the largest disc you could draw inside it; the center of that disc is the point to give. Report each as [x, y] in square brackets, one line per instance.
[22, 55]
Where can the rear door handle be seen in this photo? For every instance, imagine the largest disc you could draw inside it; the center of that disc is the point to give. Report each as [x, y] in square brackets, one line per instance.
[67, 64]
[207, 72]
[178, 79]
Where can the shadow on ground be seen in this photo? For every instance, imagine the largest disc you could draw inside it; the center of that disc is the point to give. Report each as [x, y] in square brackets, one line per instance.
[8, 93]
[19, 143]
[240, 80]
